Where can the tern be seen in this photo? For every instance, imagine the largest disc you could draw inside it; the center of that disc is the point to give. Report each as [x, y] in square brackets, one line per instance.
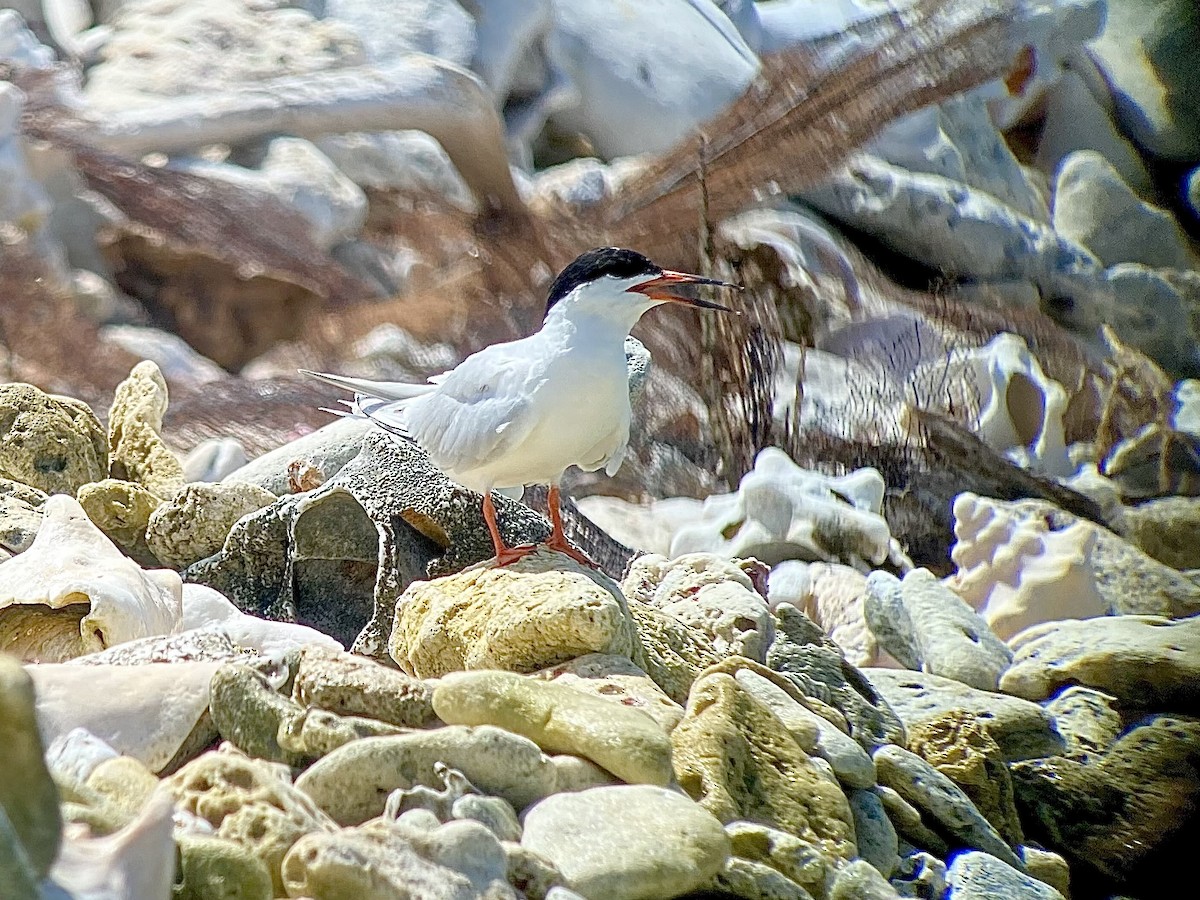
[525, 411]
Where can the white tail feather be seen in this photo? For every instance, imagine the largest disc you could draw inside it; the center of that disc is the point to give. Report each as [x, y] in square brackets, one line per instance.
[381, 390]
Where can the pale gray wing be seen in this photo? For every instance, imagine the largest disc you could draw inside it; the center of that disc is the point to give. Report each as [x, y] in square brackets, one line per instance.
[480, 409]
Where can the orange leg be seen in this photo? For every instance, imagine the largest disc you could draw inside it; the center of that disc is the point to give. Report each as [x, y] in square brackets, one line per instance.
[505, 556]
[558, 541]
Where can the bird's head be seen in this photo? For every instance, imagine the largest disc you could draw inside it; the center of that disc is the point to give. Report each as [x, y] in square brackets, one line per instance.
[621, 284]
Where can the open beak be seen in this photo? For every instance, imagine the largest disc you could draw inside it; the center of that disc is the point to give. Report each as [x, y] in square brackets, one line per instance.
[660, 288]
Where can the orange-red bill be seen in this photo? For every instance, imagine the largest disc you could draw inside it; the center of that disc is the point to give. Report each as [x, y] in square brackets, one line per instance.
[660, 289]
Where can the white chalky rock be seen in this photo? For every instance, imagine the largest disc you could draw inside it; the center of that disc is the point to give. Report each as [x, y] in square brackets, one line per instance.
[73, 592]
[928, 627]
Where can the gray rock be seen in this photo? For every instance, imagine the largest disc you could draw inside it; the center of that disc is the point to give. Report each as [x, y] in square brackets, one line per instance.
[351, 685]
[20, 516]
[926, 626]
[665, 844]
[939, 798]
[1094, 207]
[50, 443]
[194, 523]
[1022, 729]
[213, 459]
[859, 880]
[980, 876]
[751, 880]
[495, 813]
[817, 666]
[327, 449]
[1086, 719]
[921, 875]
[874, 832]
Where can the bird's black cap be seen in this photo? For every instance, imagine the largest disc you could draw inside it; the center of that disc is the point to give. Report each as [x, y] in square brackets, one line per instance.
[615, 261]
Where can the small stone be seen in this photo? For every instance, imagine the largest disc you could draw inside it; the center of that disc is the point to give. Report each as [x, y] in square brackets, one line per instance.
[1048, 867]
[560, 719]
[531, 873]
[1166, 529]
[496, 814]
[194, 523]
[752, 880]
[959, 747]
[941, 799]
[673, 653]
[136, 449]
[921, 875]
[859, 880]
[1087, 720]
[1022, 729]
[351, 685]
[1142, 661]
[28, 797]
[20, 516]
[618, 680]
[926, 626]
[799, 861]
[125, 783]
[980, 876]
[211, 868]
[352, 783]
[122, 509]
[50, 443]
[627, 842]
[874, 832]
[739, 761]
[541, 611]
[249, 802]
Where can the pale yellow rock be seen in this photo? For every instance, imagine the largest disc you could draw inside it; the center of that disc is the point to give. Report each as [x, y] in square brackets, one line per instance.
[122, 509]
[196, 521]
[560, 719]
[541, 611]
[125, 782]
[136, 449]
[617, 680]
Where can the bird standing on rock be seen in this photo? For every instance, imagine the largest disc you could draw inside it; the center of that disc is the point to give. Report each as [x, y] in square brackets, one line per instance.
[525, 411]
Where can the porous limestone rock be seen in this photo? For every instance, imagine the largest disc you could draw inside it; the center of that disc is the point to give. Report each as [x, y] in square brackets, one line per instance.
[1166, 529]
[451, 861]
[672, 652]
[618, 680]
[831, 595]
[74, 592]
[926, 626]
[739, 761]
[28, 797]
[939, 798]
[980, 876]
[212, 867]
[1087, 720]
[51, 443]
[350, 685]
[752, 880]
[352, 782]
[1021, 729]
[149, 712]
[959, 747]
[1120, 815]
[20, 517]
[250, 802]
[781, 511]
[559, 719]
[122, 509]
[714, 595]
[859, 880]
[1143, 661]
[627, 842]
[194, 523]
[136, 449]
[797, 860]
[540, 611]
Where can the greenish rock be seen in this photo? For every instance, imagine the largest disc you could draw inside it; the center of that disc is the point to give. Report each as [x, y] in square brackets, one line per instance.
[980, 876]
[627, 842]
[560, 719]
[1048, 867]
[1166, 529]
[495, 813]
[734, 756]
[1088, 721]
[752, 880]
[20, 516]
[874, 832]
[136, 449]
[194, 523]
[909, 824]
[799, 861]
[818, 667]
[959, 747]
[17, 873]
[250, 802]
[122, 509]
[28, 796]
[1148, 56]
[940, 801]
[125, 784]
[50, 443]
[542, 610]
[352, 783]
[672, 653]
[1121, 817]
[263, 723]
[859, 880]
[212, 868]
[531, 873]
[352, 685]
[618, 680]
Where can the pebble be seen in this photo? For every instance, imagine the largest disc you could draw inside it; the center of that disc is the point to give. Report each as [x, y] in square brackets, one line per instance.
[668, 844]
[979, 876]
[874, 832]
[50, 443]
[560, 719]
[859, 880]
[616, 679]
[350, 685]
[799, 861]
[194, 523]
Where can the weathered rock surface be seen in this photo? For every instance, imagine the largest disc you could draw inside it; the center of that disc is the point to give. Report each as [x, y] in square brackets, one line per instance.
[194, 523]
[51, 443]
[350, 685]
[136, 449]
